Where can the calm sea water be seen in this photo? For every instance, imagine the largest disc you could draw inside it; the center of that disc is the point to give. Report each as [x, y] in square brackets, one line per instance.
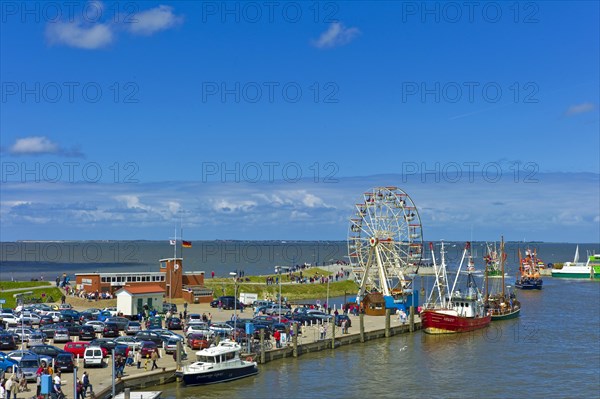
[551, 351]
[26, 260]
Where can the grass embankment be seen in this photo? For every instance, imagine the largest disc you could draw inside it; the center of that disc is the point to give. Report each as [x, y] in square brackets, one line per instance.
[39, 290]
[291, 291]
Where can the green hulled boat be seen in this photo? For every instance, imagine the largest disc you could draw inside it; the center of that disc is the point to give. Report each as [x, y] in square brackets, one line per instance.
[576, 269]
[501, 304]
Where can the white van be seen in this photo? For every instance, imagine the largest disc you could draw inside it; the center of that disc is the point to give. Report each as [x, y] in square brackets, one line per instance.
[92, 356]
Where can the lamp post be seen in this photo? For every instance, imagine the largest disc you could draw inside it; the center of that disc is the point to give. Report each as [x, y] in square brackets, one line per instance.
[278, 270]
[234, 275]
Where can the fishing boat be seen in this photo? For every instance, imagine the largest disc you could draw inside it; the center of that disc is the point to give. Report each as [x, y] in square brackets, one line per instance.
[492, 261]
[500, 304]
[529, 271]
[576, 269]
[453, 311]
[216, 364]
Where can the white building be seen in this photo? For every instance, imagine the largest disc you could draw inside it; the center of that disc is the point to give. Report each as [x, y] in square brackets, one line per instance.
[131, 299]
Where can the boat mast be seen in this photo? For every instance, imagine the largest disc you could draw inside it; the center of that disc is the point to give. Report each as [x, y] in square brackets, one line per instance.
[502, 263]
[467, 246]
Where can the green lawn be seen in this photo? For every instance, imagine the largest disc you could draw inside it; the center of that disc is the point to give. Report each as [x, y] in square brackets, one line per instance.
[9, 285]
[293, 291]
[43, 293]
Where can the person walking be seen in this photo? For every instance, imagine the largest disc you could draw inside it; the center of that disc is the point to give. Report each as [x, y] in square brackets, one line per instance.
[138, 358]
[10, 386]
[79, 389]
[85, 380]
[154, 358]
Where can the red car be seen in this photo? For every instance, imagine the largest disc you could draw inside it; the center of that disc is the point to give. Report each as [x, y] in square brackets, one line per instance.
[78, 348]
[198, 341]
[147, 347]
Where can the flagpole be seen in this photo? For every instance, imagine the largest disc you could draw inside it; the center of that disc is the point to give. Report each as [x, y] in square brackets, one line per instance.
[170, 270]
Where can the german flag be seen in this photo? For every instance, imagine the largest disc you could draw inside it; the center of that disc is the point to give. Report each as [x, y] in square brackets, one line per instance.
[186, 244]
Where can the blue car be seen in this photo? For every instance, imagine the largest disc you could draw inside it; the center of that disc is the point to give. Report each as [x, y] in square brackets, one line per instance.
[6, 363]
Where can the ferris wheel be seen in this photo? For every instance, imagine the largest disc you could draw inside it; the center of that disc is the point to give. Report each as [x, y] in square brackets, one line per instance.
[385, 241]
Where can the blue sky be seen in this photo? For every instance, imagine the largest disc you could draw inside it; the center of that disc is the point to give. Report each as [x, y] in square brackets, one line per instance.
[258, 120]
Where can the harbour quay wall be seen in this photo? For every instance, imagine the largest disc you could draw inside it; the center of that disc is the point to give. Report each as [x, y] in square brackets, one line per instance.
[149, 379]
[331, 343]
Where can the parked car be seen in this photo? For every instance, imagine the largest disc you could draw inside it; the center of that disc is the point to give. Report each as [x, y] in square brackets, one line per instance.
[45, 319]
[174, 323]
[87, 332]
[36, 338]
[61, 335]
[110, 330]
[64, 362]
[7, 341]
[6, 363]
[129, 341]
[221, 329]
[112, 310]
[85, 317]
[170, 345]
[155, 323]
[18, 354]
[46, 351]
[122, 349]
[29, 365]
[121, 322]
[93, 356]
[105, 343]
[72, 327]
[149, 336]
[97, 325]
[198, 341]
[76, 348]
[49, 329]
[133, 327]
[103, 315]
[193, 318]
[196, 328]
[147, 347]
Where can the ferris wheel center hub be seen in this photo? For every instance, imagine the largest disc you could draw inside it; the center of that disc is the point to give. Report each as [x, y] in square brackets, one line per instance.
[373, 241]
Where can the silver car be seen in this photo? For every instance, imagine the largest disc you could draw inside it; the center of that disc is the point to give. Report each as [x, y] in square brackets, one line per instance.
[133, 327]
[61, 335]
[98, 325]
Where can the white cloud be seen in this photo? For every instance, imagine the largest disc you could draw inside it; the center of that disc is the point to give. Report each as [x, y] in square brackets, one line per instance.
[580, 109]
[95, 34]
[154, 20]
[79, 35]
[303, 211]
[35, 145]
[336, 35]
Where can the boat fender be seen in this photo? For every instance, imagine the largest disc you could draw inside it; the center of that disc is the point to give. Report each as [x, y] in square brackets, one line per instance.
[249, 359]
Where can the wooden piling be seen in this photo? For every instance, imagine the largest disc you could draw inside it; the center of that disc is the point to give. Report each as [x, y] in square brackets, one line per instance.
[362, 327]
[388, 313]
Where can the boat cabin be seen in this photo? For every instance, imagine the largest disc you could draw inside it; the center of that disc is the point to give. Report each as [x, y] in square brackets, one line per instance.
[226, 351]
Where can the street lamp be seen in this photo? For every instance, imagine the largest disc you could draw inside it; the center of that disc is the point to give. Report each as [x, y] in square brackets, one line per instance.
[278, 270]
[234, 275]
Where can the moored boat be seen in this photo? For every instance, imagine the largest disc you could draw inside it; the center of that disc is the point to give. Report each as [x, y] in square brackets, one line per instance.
[576, 269]
[500, 304]
[453, 311]
[529, 277]
[216, 364]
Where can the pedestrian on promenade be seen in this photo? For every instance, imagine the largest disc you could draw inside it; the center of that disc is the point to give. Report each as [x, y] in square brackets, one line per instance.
[130, 356]
[86, 383]
[277, 336]
[138, 358]
[154, 358]
[322, 331]
[10, 386]
[344, 330]
[79, 389]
